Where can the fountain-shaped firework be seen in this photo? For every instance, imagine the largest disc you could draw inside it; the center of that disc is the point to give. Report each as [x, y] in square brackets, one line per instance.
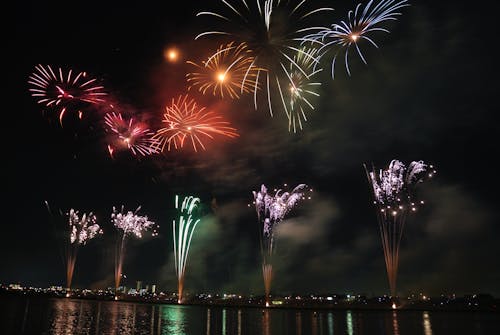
[128, 223]
[271, 210]
[393, 191]
[81, 230]
[182, 238]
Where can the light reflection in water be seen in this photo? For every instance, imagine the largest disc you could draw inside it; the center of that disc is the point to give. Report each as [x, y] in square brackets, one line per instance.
[224, 319]
[298, 322]
[330, 323]
[395, 325]
[239, 321]
[427, 324]
[265, 322]
[314, 325]
[208, 321]
[350, 326]
[173, 320]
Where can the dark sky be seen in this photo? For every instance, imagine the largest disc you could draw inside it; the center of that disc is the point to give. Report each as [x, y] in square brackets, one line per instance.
[430, 92]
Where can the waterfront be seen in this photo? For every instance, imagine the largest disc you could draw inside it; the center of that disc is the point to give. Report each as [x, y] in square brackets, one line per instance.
[42, 315]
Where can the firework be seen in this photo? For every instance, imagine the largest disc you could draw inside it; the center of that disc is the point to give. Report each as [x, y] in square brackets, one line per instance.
[128, 223]
[81, 230]
[271, 210]
[360, 25]
[65, 90]
[272, 31]
[185, 119]
[223, 73]
[130, 134]
[301, 88]
[393, 192]
[182, 237]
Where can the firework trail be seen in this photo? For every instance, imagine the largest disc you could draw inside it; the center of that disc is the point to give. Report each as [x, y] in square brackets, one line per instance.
[223, 73]
[129, 134]
[271, 210]
[65, 90]
[393, 192]
[185, 119]
[81, 230]
[182, 237]
[359, 26]
[273, 31]
[128, 223]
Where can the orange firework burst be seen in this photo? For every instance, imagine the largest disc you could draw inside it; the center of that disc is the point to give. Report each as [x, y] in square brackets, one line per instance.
[185, 119]
[228, 72]
[64, 90]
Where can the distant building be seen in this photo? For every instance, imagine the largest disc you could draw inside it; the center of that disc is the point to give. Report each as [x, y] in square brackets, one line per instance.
[138, 286]
[153, 289]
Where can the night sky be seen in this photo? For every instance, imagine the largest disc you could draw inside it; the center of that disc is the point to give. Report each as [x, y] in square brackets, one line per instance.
[429, 93]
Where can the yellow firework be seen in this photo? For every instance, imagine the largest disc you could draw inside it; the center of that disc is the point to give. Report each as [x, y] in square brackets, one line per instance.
[229, 72]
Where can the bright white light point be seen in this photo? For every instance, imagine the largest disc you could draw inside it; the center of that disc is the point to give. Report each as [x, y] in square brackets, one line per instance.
[393, 305]
[354, 37]
[67, 295]
[394, 213]
[413, 209]
[267, 304]
[422, 202]
[178, 301]
[221, 76]
[189, 128]
[127, 140]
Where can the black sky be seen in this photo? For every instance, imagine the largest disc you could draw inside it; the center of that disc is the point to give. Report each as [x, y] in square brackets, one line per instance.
[430, 92]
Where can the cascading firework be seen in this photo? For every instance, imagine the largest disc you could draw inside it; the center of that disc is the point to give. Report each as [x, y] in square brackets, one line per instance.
[271, 210]
[128, 223]
[182, 236]
[393, 192]
[81, 230]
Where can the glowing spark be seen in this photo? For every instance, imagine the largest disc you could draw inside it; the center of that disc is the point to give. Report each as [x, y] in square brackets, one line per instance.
[184, 119]
[55, 89]
[182, 237]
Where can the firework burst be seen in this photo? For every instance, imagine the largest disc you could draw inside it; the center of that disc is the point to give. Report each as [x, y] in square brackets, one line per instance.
[65, 90]
[182, 237]
[185, 119]
[273, 31]
[223, 73]
[81, 230]
[359, 26]
[130, 134]
[128, 223]
[302, 88]
[393, 191]
[271, 210]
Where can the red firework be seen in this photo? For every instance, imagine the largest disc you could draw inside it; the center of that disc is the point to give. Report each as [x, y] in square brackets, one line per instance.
[64, 90]
[135, 136]
[185, 119]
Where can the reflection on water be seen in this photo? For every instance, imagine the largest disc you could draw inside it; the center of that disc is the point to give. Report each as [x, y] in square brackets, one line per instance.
[350, 327]
[67, 316]
[395, 325]
[427, 324]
